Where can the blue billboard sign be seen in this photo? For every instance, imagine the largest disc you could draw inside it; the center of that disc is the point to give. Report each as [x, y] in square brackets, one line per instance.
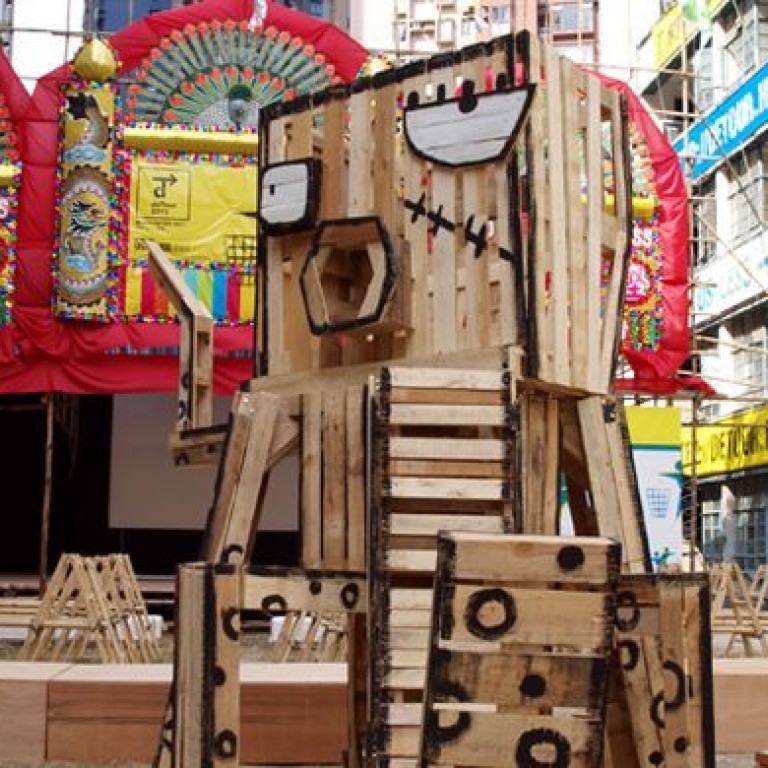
[737, 118]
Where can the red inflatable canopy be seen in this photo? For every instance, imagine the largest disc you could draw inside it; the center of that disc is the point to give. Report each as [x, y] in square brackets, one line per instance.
[40, 352]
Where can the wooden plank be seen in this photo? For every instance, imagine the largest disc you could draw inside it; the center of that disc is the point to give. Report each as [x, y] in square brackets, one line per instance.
[445, 448]
[444, 241]
[334, 480]
[416, 243]
[355, 458]
[543, 617]
[443, 378]
[443, 415]
[675, 690]
[572, 741]
[426, 524]
[575, 559]
[634, 537]
[274, 313]
[334, 187]
[230, 468]
[244, 512]
[446, 488]
[311, 481]
[539, 332]
[419, 468]
[614, 302]
[23, 713]
[602, 481]
[572, 83]
[225, 725]
[475, 318]
[324, 593]
[555, 311]
[359, 182]
[305, 382]
[411, 561]
[192, 688]
[595, 381]
[525, 682]
[107, 713]
[384, 107]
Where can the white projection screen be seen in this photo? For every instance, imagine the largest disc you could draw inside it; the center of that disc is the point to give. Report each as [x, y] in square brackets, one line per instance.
[147, 491]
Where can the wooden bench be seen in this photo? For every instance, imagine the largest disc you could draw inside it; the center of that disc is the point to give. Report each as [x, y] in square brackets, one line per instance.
[103, 712]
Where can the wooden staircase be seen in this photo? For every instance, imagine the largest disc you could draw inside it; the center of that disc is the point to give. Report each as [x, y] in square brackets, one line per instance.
[444, 460]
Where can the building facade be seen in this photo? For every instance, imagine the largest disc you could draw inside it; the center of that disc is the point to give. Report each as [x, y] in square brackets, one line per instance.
[710, 90]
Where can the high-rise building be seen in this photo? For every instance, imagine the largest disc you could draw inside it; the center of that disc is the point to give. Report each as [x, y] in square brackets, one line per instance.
[707, 78]
[112, 15]
[407, 28]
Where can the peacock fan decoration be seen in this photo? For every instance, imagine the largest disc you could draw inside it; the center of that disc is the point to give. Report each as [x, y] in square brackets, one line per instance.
[221, 73]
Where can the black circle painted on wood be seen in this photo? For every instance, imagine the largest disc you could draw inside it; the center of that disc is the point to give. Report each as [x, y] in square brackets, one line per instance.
[315, 587]
[350, 594]
[533, 686]
[681, 745]
[657, 710]
[632, 651]
[219, 675]
[448, 690]
[228, 619]
[541, 736]
[656, 758]
[186, 380]
[232, 549]
[274, 603]
[625, 601]
[485, 597]
[570, 558]
[225, 744]
[678, 699]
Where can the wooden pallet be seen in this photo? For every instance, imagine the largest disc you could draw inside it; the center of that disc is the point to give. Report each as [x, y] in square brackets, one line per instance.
[520, 639]
[91, 603]
[445, 460]
[660, 711]
[517, 250]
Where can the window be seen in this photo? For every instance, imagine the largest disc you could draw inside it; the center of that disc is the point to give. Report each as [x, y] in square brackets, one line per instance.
[574, 17]
[749, 352]
[750, 523]
[746, 46]
[747, 193]
[705, 224]
[703, 84]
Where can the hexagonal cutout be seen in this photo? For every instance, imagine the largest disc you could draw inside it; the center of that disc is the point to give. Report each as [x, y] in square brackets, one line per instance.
[348, 276]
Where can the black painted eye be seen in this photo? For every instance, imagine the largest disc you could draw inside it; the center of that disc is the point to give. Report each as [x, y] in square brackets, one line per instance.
[468, 99]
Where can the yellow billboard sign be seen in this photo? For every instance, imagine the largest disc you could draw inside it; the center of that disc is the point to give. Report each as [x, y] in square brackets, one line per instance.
[736, 443]
[195, 210]
[672, 30]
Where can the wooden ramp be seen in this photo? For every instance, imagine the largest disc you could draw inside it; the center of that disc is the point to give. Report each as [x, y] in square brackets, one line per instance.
[520, 639]
[444, 461]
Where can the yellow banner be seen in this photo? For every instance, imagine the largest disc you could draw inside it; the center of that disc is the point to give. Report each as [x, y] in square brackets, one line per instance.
[670, 32]
[653, 426]
[738, 442]
[197, 211]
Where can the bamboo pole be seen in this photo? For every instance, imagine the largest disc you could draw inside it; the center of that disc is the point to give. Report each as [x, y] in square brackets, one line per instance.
[45, 514]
